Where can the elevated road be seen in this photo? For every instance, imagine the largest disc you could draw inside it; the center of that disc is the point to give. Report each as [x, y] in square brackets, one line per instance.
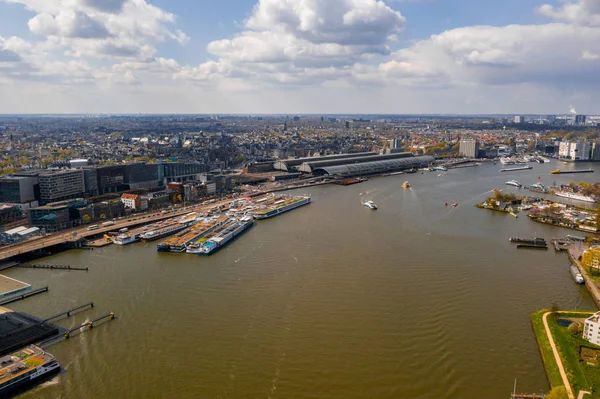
[74, 235]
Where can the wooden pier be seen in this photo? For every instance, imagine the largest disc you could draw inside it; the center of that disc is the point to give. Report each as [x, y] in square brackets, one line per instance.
[82, 328]
[23, 296]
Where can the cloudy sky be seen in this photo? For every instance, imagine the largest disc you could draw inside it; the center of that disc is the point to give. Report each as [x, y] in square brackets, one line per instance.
[299, 56]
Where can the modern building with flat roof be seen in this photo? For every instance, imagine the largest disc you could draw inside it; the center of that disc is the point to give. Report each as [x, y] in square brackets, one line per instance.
[61, 185]
[290, 165]
[375, 167]
[310, 166]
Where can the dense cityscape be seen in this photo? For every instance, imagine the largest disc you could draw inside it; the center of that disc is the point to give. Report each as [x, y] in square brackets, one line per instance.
[332, 199]
[194, 183]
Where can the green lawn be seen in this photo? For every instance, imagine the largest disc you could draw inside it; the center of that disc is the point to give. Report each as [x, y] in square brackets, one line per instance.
[581, 376]
[545, 349]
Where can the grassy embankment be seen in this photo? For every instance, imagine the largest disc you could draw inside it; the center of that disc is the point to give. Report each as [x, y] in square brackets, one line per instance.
[581, 376]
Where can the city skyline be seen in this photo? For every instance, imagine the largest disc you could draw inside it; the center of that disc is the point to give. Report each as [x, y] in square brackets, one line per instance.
[309, 57]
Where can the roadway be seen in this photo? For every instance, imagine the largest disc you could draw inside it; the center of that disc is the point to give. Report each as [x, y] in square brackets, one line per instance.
[74, 235]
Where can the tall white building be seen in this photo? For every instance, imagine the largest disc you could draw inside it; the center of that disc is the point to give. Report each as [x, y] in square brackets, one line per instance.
[591, 329]
[574, 151]
[519, 119]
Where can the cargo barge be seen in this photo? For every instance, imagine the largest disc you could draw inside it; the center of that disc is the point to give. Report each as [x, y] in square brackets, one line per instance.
[567, 172]
[515, 169]
[535, 240]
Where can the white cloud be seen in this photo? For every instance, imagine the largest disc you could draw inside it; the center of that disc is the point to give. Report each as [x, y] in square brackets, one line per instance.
[586, 55]
[297, 42]
[102, 28]
[583, 12]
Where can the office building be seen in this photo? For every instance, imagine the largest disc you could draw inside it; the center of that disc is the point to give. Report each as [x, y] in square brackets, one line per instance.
[18, 189]
[519, 119]
[469, 148]
[595, 151]
[591, 329]
[61, 185]
[180, 172]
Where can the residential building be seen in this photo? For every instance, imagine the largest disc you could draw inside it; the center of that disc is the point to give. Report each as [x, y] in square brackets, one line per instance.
[595, 151]
[469, 148]
[591, 258]
[519, 119]
[580, 119]
[591, 329]
[574, 151]
[132, 201]
[395, 144]
[61, 185]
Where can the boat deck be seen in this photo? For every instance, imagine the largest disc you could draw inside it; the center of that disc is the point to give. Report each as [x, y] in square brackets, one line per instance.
[21, 362]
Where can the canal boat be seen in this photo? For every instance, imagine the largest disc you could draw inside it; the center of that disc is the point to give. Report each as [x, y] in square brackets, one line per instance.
[224, 236]
[24, 368]
[576, 275]
[281, 205]
[371, 205]
[441, 168]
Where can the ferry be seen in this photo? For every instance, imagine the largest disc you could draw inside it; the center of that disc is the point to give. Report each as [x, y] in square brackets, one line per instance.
[221, 238]
[371, 205]
[574, 196]
[126, 239]
[406, 184]
[280, 206]
[25, 367]
[514, 183]
[441, 168]
[518, 168]
[576, 275]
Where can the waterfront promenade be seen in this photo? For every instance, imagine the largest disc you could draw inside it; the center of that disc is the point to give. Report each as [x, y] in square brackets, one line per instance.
[575, 251]
[74, 235]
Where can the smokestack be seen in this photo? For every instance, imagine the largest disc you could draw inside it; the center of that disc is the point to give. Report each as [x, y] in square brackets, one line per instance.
[572, 110]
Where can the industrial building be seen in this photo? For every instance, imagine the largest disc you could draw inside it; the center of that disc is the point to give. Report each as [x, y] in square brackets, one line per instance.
[291, 165]
[310, 166]
[374, 167]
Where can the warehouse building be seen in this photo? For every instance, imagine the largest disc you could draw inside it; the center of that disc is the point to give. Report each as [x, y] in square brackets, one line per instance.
[291, 165]
[375, 167]
[310, 166]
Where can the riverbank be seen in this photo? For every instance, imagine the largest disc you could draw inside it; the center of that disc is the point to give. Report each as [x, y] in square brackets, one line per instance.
[561, 351]
[591, 284]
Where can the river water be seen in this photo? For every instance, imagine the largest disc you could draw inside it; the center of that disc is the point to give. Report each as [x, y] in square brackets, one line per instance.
[332, 300]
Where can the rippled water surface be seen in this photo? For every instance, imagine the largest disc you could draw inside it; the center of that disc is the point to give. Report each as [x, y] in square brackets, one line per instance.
[415, 300]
